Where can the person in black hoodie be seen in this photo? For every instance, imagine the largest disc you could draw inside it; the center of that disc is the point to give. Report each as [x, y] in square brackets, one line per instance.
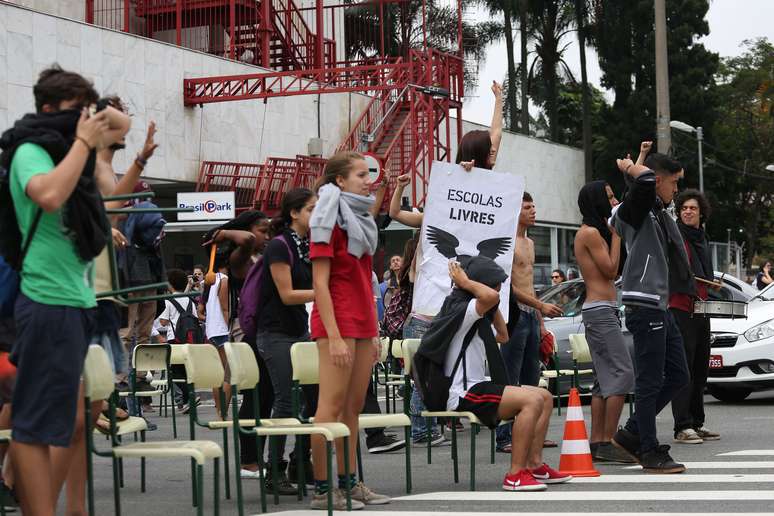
[50, 158]
[461, 341]
[598, 251]
[693, 210]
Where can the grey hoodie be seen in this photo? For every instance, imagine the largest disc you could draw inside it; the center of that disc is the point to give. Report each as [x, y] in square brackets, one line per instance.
[657, 263]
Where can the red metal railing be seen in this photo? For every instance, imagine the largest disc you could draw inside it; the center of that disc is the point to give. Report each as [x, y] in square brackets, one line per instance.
[262, 186]
[241, 178]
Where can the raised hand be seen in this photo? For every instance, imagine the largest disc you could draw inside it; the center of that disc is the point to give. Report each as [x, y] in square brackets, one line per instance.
[497, 89]
[149, 146]
[91, 128]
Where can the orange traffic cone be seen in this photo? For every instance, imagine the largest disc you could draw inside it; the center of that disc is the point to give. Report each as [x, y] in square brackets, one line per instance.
[576, 454]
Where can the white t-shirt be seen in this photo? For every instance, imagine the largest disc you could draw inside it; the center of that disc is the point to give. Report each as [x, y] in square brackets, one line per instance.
[475, 359]
[171, 313]
[214, 324]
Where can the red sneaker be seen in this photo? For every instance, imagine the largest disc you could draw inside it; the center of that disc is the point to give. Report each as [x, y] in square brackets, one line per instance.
[522, 481]
[548, 475]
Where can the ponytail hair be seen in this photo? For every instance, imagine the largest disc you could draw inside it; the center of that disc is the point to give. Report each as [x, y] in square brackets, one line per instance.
[337, 165]
[295, 199]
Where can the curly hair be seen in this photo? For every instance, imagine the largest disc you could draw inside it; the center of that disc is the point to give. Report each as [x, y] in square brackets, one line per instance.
[691, 193]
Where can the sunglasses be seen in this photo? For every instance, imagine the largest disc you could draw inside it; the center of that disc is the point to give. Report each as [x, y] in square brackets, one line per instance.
[555, 277]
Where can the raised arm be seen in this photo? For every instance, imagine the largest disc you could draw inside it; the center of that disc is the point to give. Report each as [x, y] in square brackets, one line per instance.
[119, 124]
[486, 297]
[644, 150]
[641, 196]
[240, 260]
[496, 129]
[409, 218]
[51, 190]
[132, 175]
[381, 191]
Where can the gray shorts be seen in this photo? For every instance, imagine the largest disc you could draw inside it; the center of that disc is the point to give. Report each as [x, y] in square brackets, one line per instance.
[613, 370]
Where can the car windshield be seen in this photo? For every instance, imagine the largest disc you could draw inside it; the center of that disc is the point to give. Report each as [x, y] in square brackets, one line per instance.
[767, 294]
[568, 296]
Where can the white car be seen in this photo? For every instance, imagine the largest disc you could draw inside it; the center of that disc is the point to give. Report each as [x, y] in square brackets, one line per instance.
[742, 354]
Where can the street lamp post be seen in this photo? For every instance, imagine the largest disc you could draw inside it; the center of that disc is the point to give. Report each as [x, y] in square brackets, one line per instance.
[682, 126]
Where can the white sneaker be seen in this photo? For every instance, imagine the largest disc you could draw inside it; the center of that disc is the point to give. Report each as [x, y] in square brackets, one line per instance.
[320, 502]
[248, 473]
[688, 436]
[362, 494]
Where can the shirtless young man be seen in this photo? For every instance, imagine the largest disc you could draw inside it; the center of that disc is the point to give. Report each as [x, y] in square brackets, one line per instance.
[520, 353]
[598, 252]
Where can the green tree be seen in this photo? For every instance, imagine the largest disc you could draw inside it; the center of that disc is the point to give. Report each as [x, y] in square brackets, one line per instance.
[551, 21]
[623, 34]
[403, 29]
[741, 147]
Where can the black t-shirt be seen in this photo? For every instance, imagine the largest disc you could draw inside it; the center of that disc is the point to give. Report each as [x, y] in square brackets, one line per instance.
[275, 316]
[759, 281]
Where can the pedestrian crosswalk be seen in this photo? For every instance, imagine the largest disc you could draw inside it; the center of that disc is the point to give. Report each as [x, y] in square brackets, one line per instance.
[721, 485]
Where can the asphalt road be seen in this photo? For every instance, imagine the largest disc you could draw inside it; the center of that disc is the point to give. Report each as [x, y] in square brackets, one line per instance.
[734, 475]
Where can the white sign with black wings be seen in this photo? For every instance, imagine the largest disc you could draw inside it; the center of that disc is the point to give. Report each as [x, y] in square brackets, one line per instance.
[466, 214]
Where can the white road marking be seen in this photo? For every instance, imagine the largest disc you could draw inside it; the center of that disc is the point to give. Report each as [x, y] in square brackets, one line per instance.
[671, 479]
[761, 464]
[748, 453]
[449, 513]
[554, 495]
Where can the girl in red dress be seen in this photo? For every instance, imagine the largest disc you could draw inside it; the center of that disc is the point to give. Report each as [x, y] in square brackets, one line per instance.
[343, 240]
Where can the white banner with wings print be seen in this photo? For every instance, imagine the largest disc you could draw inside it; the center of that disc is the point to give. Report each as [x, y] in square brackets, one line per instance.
[466, 214]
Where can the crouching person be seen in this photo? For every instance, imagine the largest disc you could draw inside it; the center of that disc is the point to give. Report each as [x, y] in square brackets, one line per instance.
[455, 352]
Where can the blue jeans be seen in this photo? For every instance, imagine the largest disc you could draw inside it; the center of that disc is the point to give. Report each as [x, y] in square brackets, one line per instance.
[661, 370]
[415, 328]
[522, 360]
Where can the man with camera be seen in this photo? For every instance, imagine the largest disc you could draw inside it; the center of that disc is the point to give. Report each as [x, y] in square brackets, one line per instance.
[51, 158]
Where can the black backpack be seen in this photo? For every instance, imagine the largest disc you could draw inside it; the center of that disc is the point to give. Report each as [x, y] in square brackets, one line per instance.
[188, 329]
[430, 378]
[11, 250]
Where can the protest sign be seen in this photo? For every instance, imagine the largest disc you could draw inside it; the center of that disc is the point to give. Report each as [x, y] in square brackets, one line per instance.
[466, 214]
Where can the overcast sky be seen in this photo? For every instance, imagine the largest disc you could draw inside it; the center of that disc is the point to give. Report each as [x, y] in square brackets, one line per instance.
[730, 22]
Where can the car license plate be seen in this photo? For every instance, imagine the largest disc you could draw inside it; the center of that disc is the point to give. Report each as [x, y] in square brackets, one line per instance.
[716, 361]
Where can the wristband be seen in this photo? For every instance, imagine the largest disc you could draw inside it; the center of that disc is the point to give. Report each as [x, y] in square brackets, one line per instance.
[140, 162]
[83, 140]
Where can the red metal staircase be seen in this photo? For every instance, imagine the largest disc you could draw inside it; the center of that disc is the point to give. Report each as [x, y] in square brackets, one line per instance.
[406, 125]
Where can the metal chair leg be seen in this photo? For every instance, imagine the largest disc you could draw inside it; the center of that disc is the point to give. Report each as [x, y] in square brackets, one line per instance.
[454, 452]
[200, 490]
[216, 483]
[359, 457]
[347, 484]
[407, 437]
[116, 489]
[329, 468]
[473, 432]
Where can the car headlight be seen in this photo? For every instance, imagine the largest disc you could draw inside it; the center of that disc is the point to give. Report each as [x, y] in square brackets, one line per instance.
[762, 331]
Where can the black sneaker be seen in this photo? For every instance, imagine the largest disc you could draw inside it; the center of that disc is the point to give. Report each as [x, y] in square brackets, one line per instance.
[383, 443]
[284, 487]
[606, 452]
[8, 498]
[627, 442]
[658, 460]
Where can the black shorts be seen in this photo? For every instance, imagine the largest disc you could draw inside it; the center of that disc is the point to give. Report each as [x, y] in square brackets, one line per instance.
[49, 351]
[483, 399]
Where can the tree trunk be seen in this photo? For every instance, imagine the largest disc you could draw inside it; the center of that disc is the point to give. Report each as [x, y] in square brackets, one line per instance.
[513, 107]
[523, 66]
[580, 11]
